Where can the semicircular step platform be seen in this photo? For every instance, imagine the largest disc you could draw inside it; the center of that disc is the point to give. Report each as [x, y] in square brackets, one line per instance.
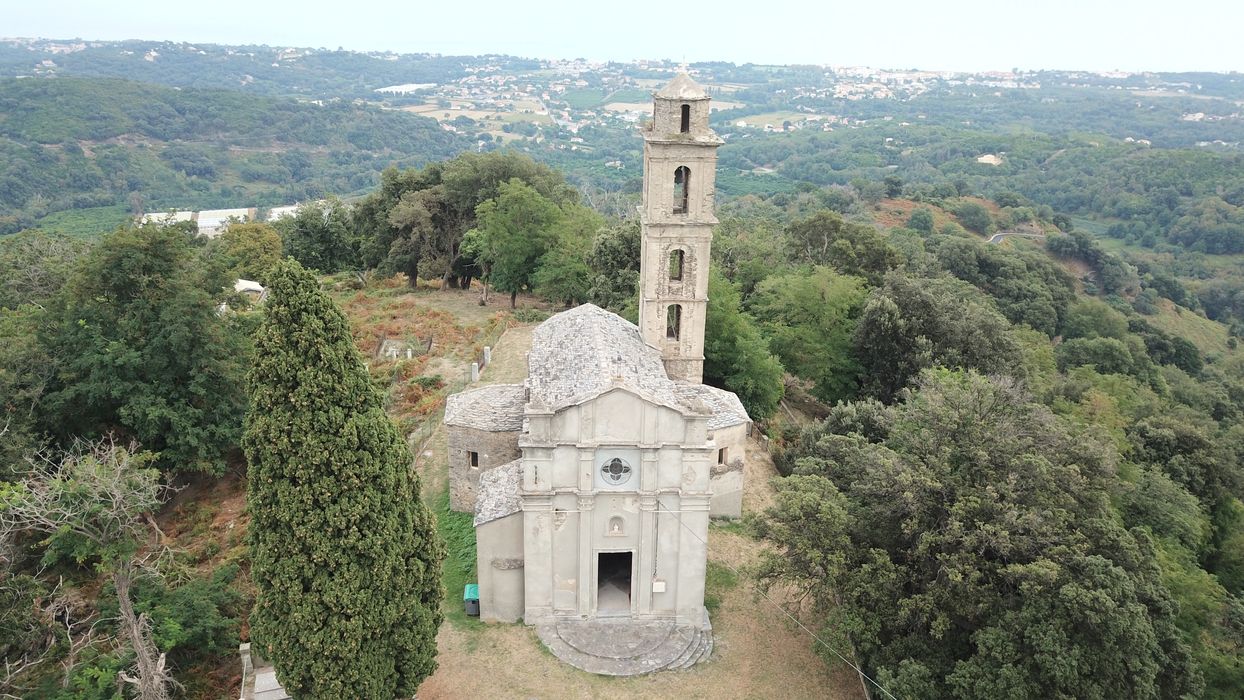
[627, 647]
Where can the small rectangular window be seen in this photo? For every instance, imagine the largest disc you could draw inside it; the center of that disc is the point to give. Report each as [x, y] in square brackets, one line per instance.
[685, 127]
[676, 258]
[473, 457]
[721, 456]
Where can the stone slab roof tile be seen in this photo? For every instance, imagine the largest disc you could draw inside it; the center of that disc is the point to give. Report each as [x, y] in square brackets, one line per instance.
[578, 354]
[497, 495]
[726, 408]
[682, 87]
[497, 408]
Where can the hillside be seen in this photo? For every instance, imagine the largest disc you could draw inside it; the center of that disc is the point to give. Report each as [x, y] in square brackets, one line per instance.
[70, 143]
[254, 70]
[1154, 158]
[987, 327]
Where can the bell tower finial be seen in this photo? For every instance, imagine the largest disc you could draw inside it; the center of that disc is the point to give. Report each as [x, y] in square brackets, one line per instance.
[680, 165]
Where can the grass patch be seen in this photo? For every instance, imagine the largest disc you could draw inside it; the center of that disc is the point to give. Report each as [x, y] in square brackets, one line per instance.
[458, 531]
[1209, 336]
[583, 99]
[91, 222]
[735, 526]
[774, 119]
[718, 578]
[526, 315]
[630, 95]
[1093, 226]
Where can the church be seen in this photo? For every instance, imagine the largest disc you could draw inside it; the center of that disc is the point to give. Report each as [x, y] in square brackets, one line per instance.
[593, 482]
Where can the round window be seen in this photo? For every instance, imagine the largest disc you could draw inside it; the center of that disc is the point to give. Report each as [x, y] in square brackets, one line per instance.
[616, 471]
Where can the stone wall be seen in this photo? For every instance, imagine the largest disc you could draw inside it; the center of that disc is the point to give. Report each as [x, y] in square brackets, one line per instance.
[662, 160]
[726, 482]
[499, 563]
[493, 448]
[726, 477]
[667, 118]
[684, 356]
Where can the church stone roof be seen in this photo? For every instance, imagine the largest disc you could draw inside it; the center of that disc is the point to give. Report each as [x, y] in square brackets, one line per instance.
[497, 408]
[497, 494]
[682, 87]
[580, 353]
[726, 407]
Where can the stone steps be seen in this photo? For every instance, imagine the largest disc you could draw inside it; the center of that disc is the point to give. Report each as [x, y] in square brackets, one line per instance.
[625, 647]
[692, 650]
[701, 648]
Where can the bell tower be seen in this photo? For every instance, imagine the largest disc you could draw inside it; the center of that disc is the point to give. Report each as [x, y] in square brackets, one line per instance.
[680, 164]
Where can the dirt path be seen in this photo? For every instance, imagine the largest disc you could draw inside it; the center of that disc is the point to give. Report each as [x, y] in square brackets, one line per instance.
[509, 358]
[997, 237]
[758, 653]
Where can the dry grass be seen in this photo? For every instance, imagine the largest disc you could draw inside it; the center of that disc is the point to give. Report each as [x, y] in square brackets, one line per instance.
[205, 524]
[894, 213]
[461, 109]
[509, 358]
[757, 655]
[1209, 336]
[773, 119]
[205, 521]
[447, 330]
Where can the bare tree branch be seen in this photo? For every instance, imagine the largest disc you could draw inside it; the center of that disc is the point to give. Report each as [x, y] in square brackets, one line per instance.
[104, 493]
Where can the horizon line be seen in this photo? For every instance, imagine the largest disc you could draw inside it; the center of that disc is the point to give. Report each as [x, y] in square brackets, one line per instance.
[976, 71]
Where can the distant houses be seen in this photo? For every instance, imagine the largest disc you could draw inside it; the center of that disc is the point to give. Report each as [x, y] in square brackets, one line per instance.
[405, 89]
[168, 217]
[277, 213]
[252, 289]
[254, 292]
[213, 222]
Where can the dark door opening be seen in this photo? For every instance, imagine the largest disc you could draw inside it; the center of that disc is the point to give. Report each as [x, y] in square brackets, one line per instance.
[613, 583]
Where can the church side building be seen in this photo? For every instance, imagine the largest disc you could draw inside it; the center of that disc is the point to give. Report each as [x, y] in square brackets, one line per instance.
[593, 481]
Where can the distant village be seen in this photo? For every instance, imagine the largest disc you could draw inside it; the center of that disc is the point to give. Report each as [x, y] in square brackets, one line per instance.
[569, 96]
[558, 103]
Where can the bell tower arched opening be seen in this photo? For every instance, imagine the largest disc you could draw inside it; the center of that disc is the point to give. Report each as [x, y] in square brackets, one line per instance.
[677, 258]
[682, 189]
[673, 321]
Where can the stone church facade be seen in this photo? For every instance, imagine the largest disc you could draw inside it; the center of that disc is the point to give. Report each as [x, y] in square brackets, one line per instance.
[593, 482]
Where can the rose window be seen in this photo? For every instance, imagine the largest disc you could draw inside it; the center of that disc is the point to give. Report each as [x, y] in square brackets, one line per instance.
[616, 471]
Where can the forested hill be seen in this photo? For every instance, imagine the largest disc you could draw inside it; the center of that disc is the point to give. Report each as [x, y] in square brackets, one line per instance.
[1188, 197]
[258, 70]
[73, 143]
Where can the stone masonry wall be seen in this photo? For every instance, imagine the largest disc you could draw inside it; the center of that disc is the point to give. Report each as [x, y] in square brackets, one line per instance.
[494, 449]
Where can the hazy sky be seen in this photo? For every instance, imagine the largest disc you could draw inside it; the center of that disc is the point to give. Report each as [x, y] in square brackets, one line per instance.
[928, 34]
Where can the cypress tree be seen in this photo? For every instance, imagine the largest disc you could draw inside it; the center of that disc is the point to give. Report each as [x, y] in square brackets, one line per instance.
[345, 557]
